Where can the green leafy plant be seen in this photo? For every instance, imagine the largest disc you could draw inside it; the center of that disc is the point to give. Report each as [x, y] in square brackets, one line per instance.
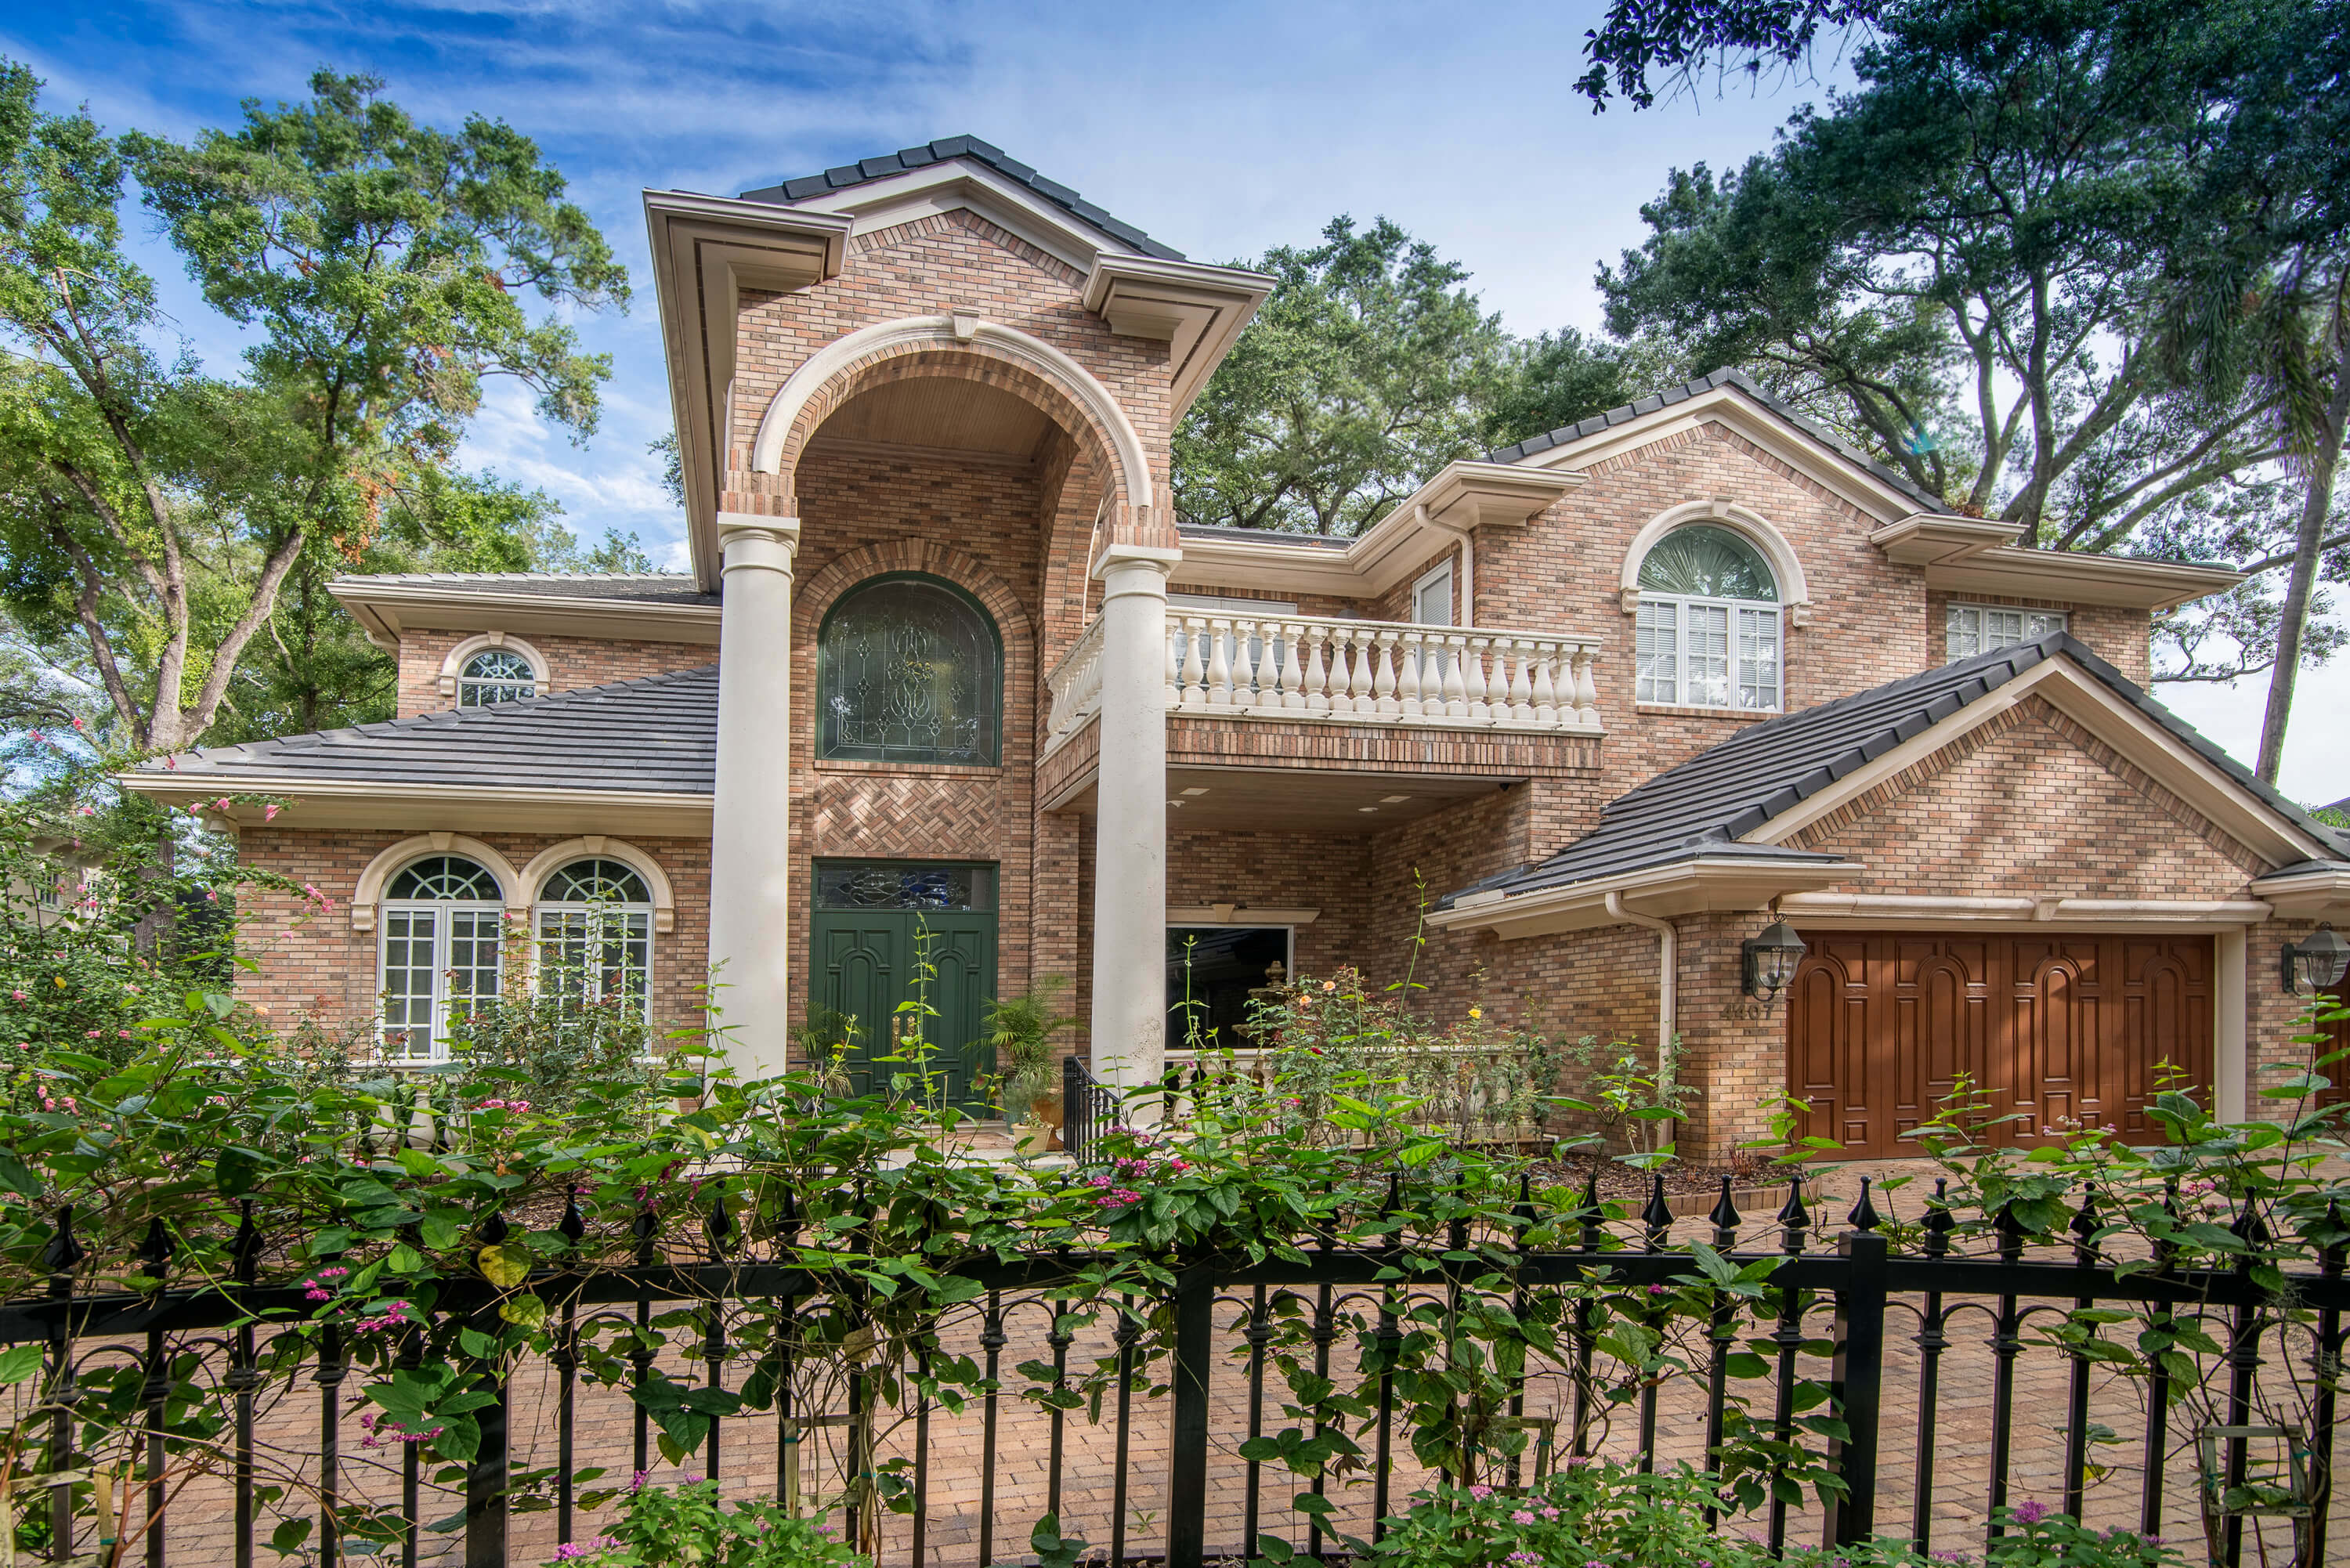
[1020, 1031]
[691, 1526]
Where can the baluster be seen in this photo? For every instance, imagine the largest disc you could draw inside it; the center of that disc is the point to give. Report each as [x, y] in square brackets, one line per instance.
[1293, 674]
[1456, 688]
[1521, 685]
[1472, 677]
[1586, 690]
[1384, 686]
[1546, 692]
[1410, 662]
[1317, 673]
[1219, 664]
[1246, 663]
[1195, 661]
[1359, 660]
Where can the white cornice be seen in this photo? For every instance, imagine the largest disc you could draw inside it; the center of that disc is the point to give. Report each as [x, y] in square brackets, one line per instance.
[2320, 891]
[2068, 576]
[1930, 538]
[317, 802]
[386, 610]
[707, 251]
[1462, 497]
[1197, 311]
[2015, 912]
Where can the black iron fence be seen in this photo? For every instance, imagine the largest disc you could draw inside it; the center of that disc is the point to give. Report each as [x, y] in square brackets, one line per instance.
[1879, 1326]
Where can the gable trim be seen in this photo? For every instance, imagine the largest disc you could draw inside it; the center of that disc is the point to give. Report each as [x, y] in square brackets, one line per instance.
[2135, 739]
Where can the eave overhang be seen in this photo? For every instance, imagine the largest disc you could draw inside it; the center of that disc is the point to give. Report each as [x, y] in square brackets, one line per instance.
[371, 804]
[2068, 576]
[2308, 892]
[1933, 538]
[1692, 887]
[385, 609]
[1197, 311]
[708, 252]
[1460, 499]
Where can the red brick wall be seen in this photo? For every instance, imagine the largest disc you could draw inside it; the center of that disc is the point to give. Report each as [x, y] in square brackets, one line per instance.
[1324, 871]
[326, 970]
[572, 662]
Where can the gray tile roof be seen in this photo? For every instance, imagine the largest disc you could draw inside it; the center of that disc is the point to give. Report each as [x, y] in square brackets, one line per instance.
[978, 152]
[1688, 389]
[625, 587]
[658, 735]
[1703, 807]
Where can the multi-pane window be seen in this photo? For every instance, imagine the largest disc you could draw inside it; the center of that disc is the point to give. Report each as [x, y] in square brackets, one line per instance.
[495, 675]
[439, 951]
[596, 934]
[1707, 633]
[1981, 628]
[908, 670]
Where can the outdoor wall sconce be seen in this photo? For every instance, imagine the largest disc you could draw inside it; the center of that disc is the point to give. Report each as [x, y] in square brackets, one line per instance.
[2316, 963]
[1770, 960]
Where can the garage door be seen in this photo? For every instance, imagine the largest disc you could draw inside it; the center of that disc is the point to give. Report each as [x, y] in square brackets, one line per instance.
[1880, 1026]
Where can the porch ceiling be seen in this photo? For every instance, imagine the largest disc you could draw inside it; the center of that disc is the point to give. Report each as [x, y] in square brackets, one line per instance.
[1304, 800]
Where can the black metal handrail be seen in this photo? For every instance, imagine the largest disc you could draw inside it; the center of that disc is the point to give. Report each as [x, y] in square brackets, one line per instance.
[1089, 1108]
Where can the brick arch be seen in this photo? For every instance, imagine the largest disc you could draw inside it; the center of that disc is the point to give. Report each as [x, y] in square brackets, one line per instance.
[963, 348]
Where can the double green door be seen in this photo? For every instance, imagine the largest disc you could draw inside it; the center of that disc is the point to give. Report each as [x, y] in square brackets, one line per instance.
[903, 962]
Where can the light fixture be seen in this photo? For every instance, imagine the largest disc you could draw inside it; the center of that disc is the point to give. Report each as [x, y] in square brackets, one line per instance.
[1770, 960]
[2316, 963]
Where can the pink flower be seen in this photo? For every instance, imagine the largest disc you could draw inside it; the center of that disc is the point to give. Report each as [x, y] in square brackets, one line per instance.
[17, 994]
[1481, 1491]
[1521, 1516]
[2031, 1511]
[268, 812]
[221, 804]
[172, 762]
[96, 1034]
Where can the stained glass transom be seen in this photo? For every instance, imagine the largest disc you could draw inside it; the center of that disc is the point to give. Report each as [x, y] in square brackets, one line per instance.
[1708, 563]
[495, 675]
[597, 881]
[886, 886]
[450, 876]
[909, 672]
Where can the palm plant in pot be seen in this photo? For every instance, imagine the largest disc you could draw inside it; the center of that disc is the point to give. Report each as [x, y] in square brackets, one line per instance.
[1020, 1031]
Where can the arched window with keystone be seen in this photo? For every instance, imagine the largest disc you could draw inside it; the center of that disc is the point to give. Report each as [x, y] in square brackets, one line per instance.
[1708, 623]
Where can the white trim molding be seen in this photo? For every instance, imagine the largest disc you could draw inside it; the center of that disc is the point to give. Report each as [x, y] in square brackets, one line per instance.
[547, 861]
[1238, 915]
[368, 893]
[452, 667]
[1682, 887]
[2308, 892]
[1911, 910]
[954, 332]
[1795, 592]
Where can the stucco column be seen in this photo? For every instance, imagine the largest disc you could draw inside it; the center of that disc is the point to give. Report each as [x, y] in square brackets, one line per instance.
[1130, 960]
[750, 834]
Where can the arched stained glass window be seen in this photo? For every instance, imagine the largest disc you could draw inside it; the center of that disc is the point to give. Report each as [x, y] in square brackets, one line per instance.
[495, 675]
[910, 669]
[1707, 633]
[438, 952]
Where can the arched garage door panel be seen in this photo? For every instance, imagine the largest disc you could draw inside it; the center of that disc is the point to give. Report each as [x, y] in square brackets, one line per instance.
[1880, 1026]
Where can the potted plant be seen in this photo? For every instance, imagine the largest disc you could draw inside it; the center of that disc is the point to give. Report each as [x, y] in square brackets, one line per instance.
[1020, 1031]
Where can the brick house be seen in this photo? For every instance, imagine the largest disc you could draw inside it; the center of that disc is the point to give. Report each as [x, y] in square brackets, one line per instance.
[1599, 708]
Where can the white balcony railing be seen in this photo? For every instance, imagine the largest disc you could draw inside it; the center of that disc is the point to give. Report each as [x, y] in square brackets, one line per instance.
[1352, 672]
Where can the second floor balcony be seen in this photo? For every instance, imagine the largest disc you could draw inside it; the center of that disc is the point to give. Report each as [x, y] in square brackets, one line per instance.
[1291, 668]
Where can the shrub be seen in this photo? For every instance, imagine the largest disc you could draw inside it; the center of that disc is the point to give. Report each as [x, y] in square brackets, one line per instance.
[692, 1527]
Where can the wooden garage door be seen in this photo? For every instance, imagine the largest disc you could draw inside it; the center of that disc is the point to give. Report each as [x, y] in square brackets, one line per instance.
[1880, 1026]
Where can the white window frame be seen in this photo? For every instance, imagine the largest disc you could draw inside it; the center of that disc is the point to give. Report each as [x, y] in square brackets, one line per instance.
[639, 915]
[452, 679]
[1439, 575]
[1955, 630]
[395, 923]
[1666, 685]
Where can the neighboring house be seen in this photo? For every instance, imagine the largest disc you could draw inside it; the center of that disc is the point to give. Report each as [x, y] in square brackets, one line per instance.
[948, 665]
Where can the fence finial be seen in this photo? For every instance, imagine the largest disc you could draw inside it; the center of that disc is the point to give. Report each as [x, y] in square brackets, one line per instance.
[2085, 1228]
[63, 1252]
[1864, 1217]
[155, 1251]
[1938, 1220]
[1724, 1219]
[1590, 1213]
[573, 1226]
[244, 1247]
[494, 1229]
[1658, 1216]
[1794, 1218]
[720, 1225]
[1524, 1211]
[647, 1227]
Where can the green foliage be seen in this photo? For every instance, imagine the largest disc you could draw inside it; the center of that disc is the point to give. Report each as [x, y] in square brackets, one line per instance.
[691, 1526]
[1367, 369]
[1557, 379]
[1682, 39]
[1019, 1030]
[2036, 1538]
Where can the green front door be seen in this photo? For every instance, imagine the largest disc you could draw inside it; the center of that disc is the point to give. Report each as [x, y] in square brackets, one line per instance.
[905, 952]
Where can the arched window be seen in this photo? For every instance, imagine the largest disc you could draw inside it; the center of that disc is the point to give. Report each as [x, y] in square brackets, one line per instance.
[1708, 622]
[495, 675]
[438, 952]
[596, 934]
[909, 669]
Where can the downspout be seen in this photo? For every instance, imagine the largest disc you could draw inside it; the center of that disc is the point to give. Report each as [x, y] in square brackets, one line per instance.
[1668, 967]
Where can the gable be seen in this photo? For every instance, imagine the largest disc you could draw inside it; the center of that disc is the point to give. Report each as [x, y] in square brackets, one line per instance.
[2031, 802]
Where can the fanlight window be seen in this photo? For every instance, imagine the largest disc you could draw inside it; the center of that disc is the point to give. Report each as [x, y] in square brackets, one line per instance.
[495, 675]
[596, 934]
[908, 671]
[438, 952]
[1708, 634]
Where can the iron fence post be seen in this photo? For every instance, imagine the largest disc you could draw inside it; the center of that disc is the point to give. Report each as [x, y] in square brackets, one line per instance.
[1858, 1379]
[1187, 1459]
[485, 1480]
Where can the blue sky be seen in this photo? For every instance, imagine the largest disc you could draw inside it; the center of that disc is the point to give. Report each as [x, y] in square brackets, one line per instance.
[1221, 128]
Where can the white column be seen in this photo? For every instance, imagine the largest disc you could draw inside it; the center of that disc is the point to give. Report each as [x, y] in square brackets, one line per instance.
[1129, 959]
[750, 837]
